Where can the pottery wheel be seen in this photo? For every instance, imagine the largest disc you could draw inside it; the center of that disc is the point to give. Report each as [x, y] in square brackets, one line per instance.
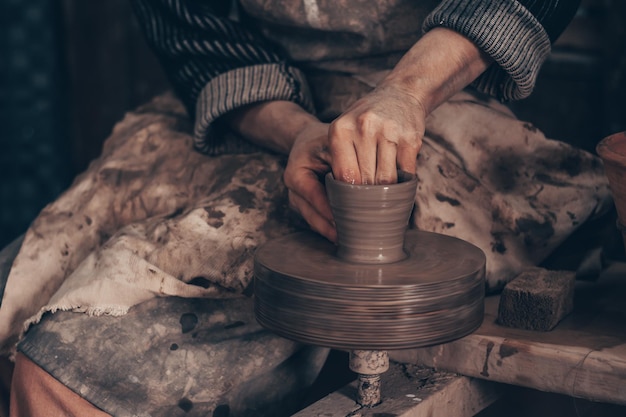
[304, 292]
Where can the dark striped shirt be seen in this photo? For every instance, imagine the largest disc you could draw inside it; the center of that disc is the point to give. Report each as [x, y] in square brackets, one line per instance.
[217, 64]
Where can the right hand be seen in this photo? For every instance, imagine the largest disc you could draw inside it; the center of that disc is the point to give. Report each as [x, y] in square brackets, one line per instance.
[378, 135]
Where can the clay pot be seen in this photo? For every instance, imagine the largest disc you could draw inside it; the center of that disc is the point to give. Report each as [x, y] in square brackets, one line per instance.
[612, 150]
[371, 220]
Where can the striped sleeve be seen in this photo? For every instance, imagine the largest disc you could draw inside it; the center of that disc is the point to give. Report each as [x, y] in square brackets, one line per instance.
[216, 66]
[517, 35]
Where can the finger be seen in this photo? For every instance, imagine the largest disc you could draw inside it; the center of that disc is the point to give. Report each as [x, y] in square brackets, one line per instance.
[345, 164]
[407, 152]
[365, 146]
[306, 185]
[367, 159]
[386, 164]
[368, 125]
[316, 221]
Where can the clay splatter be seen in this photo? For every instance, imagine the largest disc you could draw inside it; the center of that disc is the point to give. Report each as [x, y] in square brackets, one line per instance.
[215, 217]
[200, 282]
[234, 325]
[445, 199]
[243, 198]
[222, 410]
[497, 245]
[485, 371]
[185, 404]
[506, 351]
[534, 231]
[188, 322]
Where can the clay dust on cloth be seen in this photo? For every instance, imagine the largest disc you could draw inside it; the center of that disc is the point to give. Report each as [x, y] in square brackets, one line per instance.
[150, 217]
[153, 218]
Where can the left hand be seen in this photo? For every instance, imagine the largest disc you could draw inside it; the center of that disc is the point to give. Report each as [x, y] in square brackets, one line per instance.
[309, 160]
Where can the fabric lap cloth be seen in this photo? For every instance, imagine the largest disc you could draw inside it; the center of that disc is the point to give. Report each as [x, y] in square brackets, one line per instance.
[147, 218]
[151, 218]
[177, 357]
[497, 182]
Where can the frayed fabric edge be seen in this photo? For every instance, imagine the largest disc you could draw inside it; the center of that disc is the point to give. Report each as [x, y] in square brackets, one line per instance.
[101, 310]
[110, 310]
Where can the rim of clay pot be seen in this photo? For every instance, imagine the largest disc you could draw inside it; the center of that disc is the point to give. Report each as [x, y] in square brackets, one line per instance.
[405, 180]
[613, 148]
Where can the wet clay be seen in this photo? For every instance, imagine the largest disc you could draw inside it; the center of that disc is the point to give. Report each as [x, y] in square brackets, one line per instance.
[371, 219]
[381, 288]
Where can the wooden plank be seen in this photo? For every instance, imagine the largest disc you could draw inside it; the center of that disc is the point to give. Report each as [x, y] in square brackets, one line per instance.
[412, 391]
[584, 356]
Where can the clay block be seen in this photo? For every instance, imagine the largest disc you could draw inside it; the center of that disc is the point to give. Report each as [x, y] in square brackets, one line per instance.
[537, 299]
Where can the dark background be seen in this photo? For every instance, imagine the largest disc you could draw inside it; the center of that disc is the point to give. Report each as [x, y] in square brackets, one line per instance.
[69, 69]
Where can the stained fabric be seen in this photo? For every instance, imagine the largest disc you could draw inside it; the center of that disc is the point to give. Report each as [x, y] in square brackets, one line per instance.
[150, 216]
[164, 237]
[499, 183]
[177, 357]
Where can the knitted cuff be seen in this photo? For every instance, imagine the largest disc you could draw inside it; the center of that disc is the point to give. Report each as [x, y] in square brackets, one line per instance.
[506, 31]
[237, 88]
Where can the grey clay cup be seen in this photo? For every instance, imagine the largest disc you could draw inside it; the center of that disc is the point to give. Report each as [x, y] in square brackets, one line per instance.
[371, 220]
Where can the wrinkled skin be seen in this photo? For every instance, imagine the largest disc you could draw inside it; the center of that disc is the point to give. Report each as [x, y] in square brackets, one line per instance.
[377, 136]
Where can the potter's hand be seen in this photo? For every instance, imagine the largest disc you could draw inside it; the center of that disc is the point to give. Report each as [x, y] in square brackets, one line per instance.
[287, 128]
[382, 132]
[379, 134]
[309, 161]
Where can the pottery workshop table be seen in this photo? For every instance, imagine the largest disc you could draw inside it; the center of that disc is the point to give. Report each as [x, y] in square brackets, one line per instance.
[584, 356]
